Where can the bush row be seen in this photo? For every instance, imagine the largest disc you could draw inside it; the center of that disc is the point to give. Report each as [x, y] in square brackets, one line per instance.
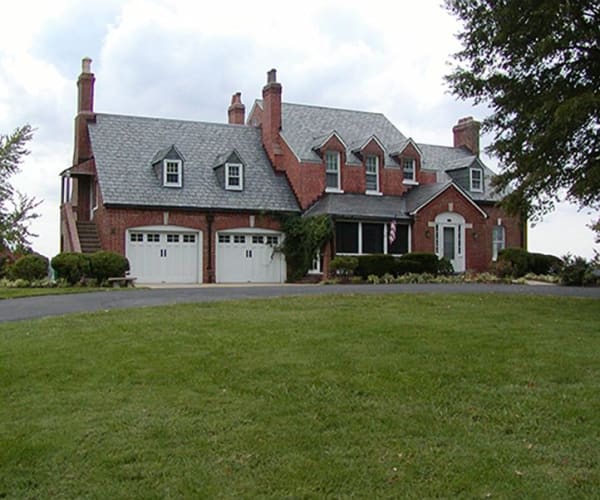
[381, 264]
[69, 266]
[517, 262]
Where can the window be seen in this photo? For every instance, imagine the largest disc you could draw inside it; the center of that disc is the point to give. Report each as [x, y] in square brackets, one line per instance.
[172, 238]
[224, 238]
[332, 170]
[346, 237]
[172, 173]
[408, 166]
[153, 238]
[372, 238]
[372, 173]
[400, 245]
[257, 240]
[189, 238]
[239, 238]
[234, 176]
[476, 175]
[136, 237]
[272, 240]
[498, 241]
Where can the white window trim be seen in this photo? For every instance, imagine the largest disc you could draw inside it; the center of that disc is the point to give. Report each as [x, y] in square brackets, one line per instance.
[412, 179]
[377, 190]
[495, 248]
[338, 188]
[179, 173]
[480, 189]
[385, 239]
[241, 177]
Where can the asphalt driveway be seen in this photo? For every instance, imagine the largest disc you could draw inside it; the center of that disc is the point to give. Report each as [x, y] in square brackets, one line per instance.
[56, 305]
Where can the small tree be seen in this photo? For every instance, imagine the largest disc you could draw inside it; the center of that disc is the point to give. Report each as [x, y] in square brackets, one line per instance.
[17, 210]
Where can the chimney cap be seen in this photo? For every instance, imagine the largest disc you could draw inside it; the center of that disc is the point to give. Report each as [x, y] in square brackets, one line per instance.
[86, 65]
[272, 76]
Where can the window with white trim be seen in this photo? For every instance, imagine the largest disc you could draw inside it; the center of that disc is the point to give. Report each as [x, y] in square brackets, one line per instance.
[224, 238]
[498, 241]
[372, 173]
[172, 173]
[189, 238]
[332, 170]
[153, 238]
[136, 237]
[234, 176]
[476, 179]
[409, 170]
[370, 237]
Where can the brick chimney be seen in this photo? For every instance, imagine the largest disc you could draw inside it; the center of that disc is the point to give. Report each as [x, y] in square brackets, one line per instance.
[85, 112]
[271, 123]
[237, 111]
[466, 134]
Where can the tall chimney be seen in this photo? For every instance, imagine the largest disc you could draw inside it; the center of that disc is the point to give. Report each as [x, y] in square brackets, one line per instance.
[237, 111]
[85, 112]
[466, 134]
[271, 124]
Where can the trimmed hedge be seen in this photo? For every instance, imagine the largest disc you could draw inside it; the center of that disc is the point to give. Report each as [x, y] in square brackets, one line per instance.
[72, 267]
[30, 268]
[517, 262]
[104, 265]
[417, 263]
[343, 265]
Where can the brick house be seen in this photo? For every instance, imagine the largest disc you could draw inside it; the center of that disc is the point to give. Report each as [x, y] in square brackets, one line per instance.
[191, 202]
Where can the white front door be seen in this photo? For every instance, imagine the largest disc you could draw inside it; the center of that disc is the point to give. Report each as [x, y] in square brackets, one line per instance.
[164, 254]
[450, 239]
[249, 255]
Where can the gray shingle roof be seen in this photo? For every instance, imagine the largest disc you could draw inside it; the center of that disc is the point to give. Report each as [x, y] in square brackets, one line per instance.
[302, 126]
[360, 206]
[124, 147]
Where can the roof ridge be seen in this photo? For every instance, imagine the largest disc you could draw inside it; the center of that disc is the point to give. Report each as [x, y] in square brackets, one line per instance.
[331, 108]
[180, 120]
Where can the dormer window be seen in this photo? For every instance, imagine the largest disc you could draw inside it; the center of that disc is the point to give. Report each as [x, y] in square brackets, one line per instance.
[172, 173]
[476, 179]
[332, 170]
[372, 173]
[234, 176]
[409, 169]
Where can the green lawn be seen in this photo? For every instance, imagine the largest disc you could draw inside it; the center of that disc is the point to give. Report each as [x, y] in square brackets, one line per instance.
[409, 396]
[15, 293]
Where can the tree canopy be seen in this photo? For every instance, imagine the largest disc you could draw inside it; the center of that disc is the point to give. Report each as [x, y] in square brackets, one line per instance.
[536, 65]
[16, 208]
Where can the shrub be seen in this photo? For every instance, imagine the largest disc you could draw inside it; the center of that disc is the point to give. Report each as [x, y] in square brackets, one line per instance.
[71, 266]
[376, 264]
[518, 258]
[540, 263]
[406, 266]
[428, 262]
[344, 266]
[30, 267]
[104, 265]
[445, 267]
[577, 271]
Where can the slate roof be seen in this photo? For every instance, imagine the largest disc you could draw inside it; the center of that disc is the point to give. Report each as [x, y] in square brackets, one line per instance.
[304, 126]
[361, 206]
[124, 148]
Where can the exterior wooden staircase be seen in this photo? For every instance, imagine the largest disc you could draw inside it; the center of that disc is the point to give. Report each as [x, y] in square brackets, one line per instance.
[88, 237]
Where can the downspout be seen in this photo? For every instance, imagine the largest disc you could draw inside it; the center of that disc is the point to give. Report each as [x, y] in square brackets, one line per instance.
[209, 222]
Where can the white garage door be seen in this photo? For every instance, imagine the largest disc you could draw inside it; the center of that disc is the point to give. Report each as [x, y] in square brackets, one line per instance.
[249, 256]
[164, 254]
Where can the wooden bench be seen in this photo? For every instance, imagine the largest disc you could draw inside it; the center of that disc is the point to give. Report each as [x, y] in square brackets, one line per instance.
[122, 281]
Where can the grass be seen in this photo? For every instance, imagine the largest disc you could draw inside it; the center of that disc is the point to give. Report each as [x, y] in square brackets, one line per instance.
[16, 293]
[409, 396]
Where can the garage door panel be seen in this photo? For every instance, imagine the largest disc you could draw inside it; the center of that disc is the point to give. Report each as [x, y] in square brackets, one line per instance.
[249, 258]
[164, 256]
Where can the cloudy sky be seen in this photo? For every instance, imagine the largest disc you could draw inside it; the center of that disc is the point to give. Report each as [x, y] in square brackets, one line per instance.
[184, 59]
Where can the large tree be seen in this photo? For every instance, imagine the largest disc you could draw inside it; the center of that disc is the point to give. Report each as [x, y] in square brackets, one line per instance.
[17, 210]
[536, 65]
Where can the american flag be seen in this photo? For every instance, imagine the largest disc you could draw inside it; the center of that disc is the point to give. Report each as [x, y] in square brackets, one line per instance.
[392, 235]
